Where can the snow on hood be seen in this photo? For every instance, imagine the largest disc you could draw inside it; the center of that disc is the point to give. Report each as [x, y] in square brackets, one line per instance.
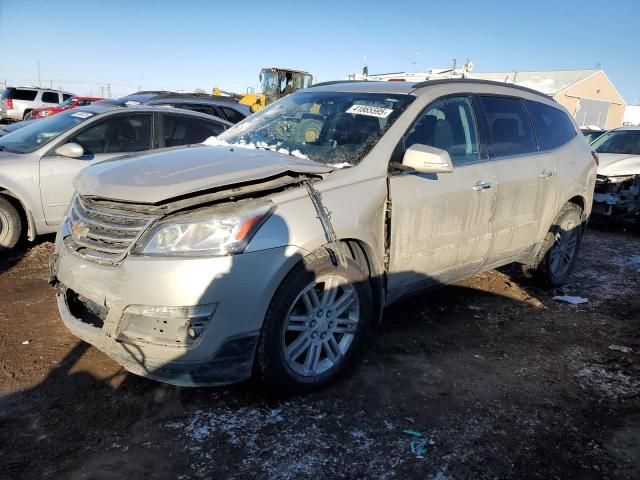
[215, 141]
[159, 176]
[612, 164]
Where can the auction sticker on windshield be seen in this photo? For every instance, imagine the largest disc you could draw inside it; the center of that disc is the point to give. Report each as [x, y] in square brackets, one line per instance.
[82, 114]
[370, 111]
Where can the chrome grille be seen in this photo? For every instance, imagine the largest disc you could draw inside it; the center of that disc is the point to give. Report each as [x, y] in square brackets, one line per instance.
[103, 234]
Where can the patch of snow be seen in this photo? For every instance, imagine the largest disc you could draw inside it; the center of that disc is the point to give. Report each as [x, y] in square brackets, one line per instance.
[612, 384]
[341, 165]
[216, 142]
[288, 442]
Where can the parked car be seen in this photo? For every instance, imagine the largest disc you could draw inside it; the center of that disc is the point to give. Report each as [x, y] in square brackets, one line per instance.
[219, 106]
[591, 133]
[17, 102]
[12, 127]
[275, 250]
[38, 161]
[73, 102]
[617, 190]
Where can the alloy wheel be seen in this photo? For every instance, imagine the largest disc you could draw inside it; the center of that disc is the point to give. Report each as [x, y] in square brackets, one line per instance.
[564, 248]
[321, 325]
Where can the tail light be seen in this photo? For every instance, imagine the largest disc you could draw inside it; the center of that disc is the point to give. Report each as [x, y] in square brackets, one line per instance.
[9, 103]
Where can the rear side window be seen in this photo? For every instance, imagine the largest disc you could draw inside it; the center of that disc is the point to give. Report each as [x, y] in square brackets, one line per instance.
[232, 115]
[28, 95]
[448, 124]
[185, 130]
[50, 97]
[553, 126]
[118, 133]
[509, 126]
[195, 107]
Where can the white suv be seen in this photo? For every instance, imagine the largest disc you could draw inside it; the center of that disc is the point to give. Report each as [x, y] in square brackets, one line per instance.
[17, 102]
[274, 251]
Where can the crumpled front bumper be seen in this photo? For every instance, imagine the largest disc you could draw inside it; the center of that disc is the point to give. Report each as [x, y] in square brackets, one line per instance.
[241, 286]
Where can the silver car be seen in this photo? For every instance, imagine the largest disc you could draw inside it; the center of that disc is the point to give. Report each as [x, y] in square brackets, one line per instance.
[274, 250]
[17, 102]
[38, 161]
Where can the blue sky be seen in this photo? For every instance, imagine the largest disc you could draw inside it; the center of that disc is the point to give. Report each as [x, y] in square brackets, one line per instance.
[201, 44]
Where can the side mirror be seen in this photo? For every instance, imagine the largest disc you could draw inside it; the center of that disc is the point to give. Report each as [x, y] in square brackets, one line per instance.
[426, 159]
[71, 150]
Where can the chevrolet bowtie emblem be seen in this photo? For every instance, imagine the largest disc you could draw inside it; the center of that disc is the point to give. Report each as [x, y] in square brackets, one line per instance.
[79, 230]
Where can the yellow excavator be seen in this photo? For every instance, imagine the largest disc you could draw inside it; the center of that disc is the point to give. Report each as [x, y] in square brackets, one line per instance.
[276, 83]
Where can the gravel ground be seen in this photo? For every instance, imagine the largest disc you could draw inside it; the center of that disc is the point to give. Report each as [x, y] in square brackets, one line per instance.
[491, 378]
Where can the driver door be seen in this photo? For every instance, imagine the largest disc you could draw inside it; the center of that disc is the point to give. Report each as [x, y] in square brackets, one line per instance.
[116, 135]
[441, 224]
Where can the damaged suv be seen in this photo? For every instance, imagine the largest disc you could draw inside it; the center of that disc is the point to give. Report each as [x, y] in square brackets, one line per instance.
[617, 194]
[273, 251]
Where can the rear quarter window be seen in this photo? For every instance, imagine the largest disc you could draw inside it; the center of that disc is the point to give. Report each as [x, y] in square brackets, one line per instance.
[232, 115]
[509, 126]
[20, 94]
[553, 126]
[50, 97]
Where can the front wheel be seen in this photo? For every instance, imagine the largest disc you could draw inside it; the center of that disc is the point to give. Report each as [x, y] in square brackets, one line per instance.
[316, 323]
[10, 225]
[559, 252]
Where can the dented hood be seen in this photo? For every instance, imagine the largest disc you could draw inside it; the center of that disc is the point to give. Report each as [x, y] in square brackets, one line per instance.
[612, 164]
[160, 176]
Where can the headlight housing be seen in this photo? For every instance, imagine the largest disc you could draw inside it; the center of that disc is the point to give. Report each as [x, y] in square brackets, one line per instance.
[212, 231]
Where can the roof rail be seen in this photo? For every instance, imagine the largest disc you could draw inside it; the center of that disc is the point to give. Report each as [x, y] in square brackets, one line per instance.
[222, 98]
[478, 81]
[336, 82]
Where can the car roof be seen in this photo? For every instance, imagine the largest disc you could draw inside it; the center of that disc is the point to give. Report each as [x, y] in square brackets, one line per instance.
[411, 88]
[31, 87]
[630, 128]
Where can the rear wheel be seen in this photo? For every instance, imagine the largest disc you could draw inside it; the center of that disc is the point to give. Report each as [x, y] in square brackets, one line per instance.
[316, 323]
[559, 252]
[10, 225]
[27, 115]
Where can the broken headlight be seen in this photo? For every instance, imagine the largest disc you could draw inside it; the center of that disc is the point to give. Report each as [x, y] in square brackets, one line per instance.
[218, 230]
[615, 179]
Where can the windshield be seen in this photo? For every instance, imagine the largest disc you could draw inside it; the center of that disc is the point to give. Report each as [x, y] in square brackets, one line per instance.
[67, 103]
[38, 134]
[619, 141]
[326, 127]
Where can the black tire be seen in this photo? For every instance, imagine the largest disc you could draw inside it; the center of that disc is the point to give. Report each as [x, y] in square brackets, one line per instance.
[271, 364]
[10, 225]
[544, 269]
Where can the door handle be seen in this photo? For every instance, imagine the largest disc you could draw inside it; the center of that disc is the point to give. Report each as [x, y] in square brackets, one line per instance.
[545, 174]
[478, 187]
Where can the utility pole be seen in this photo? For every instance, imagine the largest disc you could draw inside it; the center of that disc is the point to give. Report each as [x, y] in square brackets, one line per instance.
[39, 82]
[102, 91]
[109, 90]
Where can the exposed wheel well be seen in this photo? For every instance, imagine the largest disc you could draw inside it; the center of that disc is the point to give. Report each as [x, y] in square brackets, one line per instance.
[579, 201]
[364, 254]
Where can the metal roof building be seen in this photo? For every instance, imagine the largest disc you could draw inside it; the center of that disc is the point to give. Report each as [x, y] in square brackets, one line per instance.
[589, 95]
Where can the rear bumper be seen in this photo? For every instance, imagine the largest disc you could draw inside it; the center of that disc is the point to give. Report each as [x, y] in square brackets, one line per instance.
[13, 115]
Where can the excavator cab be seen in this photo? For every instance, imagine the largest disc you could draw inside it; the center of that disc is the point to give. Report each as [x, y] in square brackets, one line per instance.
[280, 82]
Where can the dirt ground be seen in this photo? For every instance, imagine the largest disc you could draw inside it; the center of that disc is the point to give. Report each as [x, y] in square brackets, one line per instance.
[496, 378]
